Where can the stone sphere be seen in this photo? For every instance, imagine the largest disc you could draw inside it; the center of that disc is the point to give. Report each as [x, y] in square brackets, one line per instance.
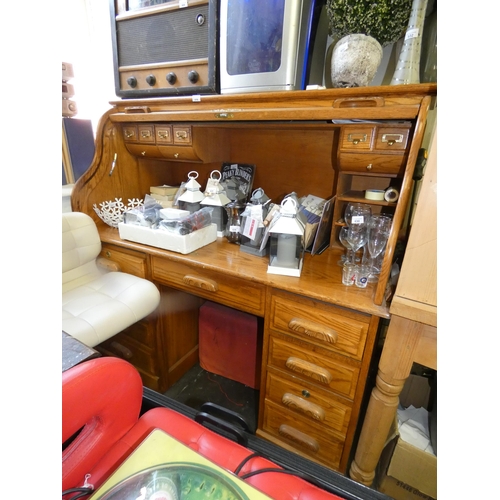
[355, 61]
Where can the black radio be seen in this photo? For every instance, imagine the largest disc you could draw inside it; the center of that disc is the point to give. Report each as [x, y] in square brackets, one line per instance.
[164, 47]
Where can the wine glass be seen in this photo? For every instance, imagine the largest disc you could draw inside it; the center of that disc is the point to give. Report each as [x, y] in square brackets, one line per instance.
[356, 238]
[357, 214]
[346, 257]
[379, 228]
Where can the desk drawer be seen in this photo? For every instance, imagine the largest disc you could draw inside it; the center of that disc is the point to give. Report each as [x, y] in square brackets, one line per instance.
[388, 165]
[307, 438]
[240, 294]
[328, 326]
[137, 354]
[309, 401]
[129, 261]
[330, 372]
[143, 332]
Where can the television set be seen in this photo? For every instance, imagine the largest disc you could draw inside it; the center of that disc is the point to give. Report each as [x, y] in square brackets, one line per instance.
[270, 45]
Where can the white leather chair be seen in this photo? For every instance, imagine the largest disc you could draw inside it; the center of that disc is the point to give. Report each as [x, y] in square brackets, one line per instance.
[97, 303]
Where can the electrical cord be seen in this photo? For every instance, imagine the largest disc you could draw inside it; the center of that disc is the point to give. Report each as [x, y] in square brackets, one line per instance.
[300, 475]
[81, 492]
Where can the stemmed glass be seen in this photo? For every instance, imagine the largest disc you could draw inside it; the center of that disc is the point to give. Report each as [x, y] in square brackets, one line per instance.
[356, 238]
[356, 217]
[357, 214]
[379, 228]
[343, 239]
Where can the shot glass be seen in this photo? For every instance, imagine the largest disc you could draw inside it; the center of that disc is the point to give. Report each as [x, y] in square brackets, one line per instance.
[362, 275]
[349, 274]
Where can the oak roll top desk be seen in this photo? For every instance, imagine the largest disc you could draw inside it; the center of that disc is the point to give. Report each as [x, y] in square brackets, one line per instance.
[318, 335]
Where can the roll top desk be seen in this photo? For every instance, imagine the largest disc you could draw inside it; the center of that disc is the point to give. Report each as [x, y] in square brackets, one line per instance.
[318, 335]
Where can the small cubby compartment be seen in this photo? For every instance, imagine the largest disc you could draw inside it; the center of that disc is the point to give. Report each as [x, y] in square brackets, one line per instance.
[175, 142]
[371, 156]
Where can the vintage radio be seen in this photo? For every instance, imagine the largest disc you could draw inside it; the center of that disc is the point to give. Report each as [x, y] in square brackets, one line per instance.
[164, 47]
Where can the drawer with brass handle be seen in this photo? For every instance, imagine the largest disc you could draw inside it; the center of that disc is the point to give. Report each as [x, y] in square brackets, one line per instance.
[374, 164]
[357, 138]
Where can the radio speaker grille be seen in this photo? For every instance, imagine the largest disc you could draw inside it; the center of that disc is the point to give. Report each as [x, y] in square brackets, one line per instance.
[165, 37]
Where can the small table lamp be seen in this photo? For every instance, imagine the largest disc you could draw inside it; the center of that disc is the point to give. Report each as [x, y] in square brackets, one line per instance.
[286, 252]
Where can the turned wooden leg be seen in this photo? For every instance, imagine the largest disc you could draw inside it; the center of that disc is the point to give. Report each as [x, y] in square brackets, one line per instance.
[394, 368]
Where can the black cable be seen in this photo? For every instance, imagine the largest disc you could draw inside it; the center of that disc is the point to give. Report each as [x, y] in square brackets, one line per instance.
[83, 491]
[245, 460]
[81, 495]
[306, 477]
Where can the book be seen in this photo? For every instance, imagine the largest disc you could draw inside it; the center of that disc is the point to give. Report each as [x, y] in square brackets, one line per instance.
[160, 197]
[164, 190]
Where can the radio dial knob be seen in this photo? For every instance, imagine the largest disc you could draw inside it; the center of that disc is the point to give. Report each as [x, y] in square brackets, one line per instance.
[151, 80]
[171, 78]
[193, 76]
[132, 81]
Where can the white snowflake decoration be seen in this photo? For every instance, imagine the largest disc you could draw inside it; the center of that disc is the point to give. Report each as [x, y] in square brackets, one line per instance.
[111, 212]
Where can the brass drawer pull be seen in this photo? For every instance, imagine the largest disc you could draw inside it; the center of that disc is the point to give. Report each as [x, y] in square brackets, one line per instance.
[181, 134]
[308, 369]
[298, 437]
[306, 407]
[145, 134]
[314, 330]
[356, 139]
[129, 134]
[203, 283]
[163, 134]
[392, 138]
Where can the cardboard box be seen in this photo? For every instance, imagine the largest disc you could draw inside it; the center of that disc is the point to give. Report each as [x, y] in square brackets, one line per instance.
[169, 241]
[406, 472]
[399, 490]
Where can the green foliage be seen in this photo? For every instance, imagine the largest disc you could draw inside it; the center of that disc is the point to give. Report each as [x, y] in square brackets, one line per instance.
[384, 20]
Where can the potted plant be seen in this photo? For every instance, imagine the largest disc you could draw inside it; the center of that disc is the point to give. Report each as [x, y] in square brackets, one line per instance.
[362, 28]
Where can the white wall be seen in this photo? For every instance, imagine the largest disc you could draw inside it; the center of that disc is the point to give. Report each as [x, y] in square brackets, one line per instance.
[86, 43]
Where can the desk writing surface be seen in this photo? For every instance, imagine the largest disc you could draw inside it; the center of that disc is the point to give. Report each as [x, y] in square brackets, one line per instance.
[321, 276]
[185, 474]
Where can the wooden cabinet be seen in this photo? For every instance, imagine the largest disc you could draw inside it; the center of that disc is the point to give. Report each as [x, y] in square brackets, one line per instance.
[319, 335]
[314, 354]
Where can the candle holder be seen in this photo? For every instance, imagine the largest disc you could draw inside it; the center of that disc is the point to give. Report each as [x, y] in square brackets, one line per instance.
[215, 197]
[191, 199]
[286, 234]
[252, 223]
